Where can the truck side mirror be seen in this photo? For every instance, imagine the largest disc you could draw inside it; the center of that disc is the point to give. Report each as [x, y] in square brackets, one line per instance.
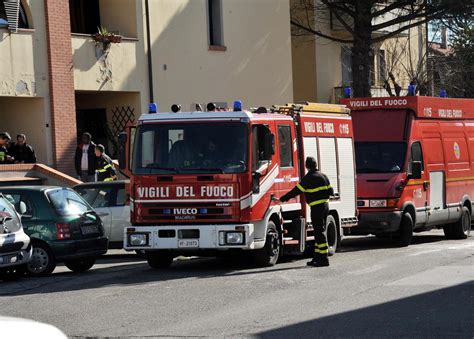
[122, 150]
[269, 146]
[416, 170]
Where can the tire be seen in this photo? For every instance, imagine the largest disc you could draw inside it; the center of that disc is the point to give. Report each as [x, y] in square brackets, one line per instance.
[269, 254]
[333, 235]
[80, 265]
[462, 228]
[448, 231]
[42, 261]
[405, 233]
[159, 259]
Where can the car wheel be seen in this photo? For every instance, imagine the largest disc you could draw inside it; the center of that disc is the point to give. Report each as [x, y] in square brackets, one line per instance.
[332, 235]
[80, 265]
[405, 234]
[159, 259]
[448, 231]
[269, 254]
[462, 228]
[42, 261]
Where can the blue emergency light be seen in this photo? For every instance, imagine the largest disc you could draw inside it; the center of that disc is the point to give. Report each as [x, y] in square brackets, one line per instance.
[237, 106]
[411, 90]
[443, 93]
[347, 92]
[152, 107]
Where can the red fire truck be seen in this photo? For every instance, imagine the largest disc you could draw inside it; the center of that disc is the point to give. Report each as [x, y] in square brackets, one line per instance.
[415, 165]
[203, 183]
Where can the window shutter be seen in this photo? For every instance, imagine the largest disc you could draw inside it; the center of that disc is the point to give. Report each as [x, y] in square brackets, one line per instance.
[12, 8]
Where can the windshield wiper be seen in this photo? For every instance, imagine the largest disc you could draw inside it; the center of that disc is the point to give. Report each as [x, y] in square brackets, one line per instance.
[218, 170]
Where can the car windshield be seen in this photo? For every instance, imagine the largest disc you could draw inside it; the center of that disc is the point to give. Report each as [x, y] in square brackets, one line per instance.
[191, 148]
[9, 221]
[67, 202]
[95, 196]
[380, 157]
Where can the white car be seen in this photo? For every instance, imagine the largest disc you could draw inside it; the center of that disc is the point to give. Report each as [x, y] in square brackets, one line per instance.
[15, 247]
[110, 202]
[19, 328]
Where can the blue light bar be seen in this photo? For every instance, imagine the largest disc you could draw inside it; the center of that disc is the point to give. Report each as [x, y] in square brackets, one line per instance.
[411, 90]
[443, 93]
[152, 107]
[237, 106]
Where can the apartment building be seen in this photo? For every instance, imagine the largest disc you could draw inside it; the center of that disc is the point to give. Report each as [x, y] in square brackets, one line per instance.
[70, 66]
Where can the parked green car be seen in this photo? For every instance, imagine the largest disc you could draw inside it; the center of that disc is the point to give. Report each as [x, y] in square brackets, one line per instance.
[62, 226]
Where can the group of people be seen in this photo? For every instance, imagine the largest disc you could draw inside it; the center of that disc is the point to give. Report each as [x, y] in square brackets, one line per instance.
[91, 162]
[18, 152]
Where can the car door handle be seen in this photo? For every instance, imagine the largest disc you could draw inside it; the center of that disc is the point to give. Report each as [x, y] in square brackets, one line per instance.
[104, 214]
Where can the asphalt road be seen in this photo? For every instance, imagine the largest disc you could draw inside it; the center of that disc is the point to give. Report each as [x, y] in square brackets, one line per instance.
[371, 289]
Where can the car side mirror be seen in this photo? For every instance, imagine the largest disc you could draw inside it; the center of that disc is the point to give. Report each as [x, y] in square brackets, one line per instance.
[122, 150]
[269, 146]
[416, 170]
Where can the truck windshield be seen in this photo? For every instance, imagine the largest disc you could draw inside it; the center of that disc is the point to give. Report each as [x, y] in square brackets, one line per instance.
[191, 148]
[380, 157]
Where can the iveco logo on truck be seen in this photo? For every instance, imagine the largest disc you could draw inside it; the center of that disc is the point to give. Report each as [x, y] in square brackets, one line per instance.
[185, 211]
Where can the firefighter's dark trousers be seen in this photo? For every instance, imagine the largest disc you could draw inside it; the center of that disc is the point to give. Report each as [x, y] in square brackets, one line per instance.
[319, 215]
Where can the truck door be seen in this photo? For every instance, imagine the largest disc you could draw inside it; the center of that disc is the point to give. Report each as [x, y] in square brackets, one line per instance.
[288, 174]
[421, 187]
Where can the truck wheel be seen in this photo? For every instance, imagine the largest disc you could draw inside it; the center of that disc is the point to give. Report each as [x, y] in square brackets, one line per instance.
[269, 254]
[332, 235]
[159, 259]
[80, 265]
[462, 228]
[405, 234]
[42, 261]
[448, 231]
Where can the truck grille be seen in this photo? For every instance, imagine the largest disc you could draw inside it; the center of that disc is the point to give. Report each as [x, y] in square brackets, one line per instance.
[186, 212]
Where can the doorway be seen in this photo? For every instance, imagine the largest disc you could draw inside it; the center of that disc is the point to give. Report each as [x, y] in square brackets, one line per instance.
[93, 121]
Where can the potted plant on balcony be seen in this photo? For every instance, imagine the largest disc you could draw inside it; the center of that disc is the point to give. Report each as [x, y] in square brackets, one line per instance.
[104, 38]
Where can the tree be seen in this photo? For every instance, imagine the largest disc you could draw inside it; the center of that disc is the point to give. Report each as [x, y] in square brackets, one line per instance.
[366, 22]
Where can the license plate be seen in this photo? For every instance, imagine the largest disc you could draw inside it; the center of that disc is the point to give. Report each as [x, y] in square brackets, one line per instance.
[89, 230]
[188, 243]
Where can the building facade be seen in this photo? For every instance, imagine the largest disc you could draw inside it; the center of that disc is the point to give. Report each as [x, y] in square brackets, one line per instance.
[58, 78]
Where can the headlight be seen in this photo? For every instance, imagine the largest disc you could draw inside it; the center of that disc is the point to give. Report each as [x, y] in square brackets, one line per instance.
[138, 239]
[378, 203]
[234, 238]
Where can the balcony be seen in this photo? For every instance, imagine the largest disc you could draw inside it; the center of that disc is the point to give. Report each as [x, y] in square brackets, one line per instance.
[120, 67]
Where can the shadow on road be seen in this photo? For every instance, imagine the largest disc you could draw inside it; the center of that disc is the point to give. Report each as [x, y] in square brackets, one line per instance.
[373, 243]
[442, 313]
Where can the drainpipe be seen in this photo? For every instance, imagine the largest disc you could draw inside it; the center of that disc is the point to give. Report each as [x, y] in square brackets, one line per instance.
[150, 62]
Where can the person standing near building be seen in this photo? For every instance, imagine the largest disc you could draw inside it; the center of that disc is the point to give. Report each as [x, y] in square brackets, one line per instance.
[317, 189]
[84, 160]
[22, 152]
[105, 170]
[5, 157]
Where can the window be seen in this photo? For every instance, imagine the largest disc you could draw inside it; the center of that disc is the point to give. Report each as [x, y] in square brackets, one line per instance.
[416, 155]
[12, 15]
[85, 16]
[67, 202]
[382, 66]
[121, 197]
[215, 23]
[95, 196]
[346, 60]
[284, 140]
[21, 203]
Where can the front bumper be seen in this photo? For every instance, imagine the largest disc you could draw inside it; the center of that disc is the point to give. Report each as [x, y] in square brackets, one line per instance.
[16, 258]
[81, 248]
[191, 237]
[378, 222]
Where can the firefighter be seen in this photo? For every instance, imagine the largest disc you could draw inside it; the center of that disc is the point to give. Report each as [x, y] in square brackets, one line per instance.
[317, 189]
[5, 156]
[105, 170]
